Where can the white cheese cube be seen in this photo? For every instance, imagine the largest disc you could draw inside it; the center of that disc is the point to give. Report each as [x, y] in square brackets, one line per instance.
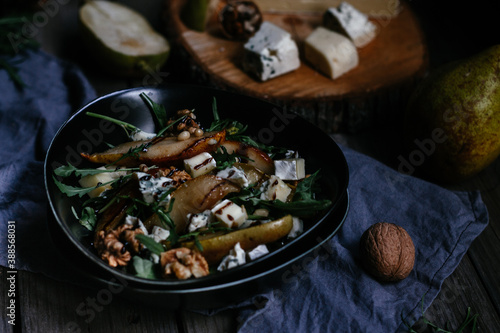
[331, 53]
[235, 258]
[235, 175]
[200, 164]
[230, 213]
[297, 227]
[350, 22]
[290, 168]
[200, 220]
[100, 178]
[159, 234]
[270, 52]
[257, 252]
[275, 189]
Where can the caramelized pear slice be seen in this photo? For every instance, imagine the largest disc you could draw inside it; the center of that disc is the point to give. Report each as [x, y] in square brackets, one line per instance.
[114, 214]
[257, 157]
[163, 152]
[254, 175]
[194, 196]
[215, 248]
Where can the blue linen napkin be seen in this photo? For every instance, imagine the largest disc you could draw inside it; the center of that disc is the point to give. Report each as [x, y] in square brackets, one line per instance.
[29, 118]
[331, 293]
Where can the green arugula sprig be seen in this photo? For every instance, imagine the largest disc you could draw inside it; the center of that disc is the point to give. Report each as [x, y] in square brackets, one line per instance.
[71, 191]
[226, 160]
[158, 110]
[235, 131]
[151, 244]
[68, 170]
[470, 321]
[303, 204]
[88, 218]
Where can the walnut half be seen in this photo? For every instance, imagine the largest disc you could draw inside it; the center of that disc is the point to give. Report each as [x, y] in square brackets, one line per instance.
[183, 263]
[115, 246]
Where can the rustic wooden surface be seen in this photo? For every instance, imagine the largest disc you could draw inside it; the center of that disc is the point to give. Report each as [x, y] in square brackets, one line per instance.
[46, 305]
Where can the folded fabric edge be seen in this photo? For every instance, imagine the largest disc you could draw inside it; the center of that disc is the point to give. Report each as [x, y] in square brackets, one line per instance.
[440, 275]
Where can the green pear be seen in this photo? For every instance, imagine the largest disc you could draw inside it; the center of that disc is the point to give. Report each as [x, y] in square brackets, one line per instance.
[452, 122]
[121, 40]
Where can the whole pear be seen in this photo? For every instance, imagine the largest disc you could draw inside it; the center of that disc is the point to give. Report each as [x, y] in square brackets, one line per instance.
[452, 122]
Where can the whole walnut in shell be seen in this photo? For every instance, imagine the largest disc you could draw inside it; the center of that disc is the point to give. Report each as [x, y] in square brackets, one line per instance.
[387, 252]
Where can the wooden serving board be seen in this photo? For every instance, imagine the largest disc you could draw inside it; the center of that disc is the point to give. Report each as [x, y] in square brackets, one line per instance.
[392, 61]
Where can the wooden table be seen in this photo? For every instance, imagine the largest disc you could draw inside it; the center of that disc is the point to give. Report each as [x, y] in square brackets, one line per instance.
[46, 305]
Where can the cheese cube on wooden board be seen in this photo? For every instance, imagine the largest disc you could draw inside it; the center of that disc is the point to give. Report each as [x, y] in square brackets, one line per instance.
[331, 53]
[347, 20]
[270, 52]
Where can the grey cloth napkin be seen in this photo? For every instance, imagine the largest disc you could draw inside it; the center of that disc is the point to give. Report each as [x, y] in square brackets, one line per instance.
[333, 293]
[330, 293]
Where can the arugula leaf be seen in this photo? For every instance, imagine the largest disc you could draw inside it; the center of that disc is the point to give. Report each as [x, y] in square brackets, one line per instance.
[126, 126]
[68, 170]
[235, 131]
[226, 160]
[143, 268]
[303, 208]
[88, 218]
[71, 191]
[150, 243]
[158, 110]
[307, 187]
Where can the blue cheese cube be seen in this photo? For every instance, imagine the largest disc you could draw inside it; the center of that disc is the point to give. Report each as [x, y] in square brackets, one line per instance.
[235, 258]
[230, 213]
[200, 164]
[275, 189]
[331, 53]
[154, 189]
[290, 168]
[159, 234]
[270, 52]
[350, 22]
[200, 220]
[235, 175]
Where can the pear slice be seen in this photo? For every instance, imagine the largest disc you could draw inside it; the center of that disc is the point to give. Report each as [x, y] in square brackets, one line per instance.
[121, 40]
[215, 248]
[256, 157]
[192, 197]
[166, 152]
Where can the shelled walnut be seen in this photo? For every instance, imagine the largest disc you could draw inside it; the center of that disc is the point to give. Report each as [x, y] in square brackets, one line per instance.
[115, 246]
[387, 252]
[239, 20]
[183, 263]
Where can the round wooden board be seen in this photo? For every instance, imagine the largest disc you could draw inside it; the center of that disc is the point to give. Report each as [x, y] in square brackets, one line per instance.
[396, 56]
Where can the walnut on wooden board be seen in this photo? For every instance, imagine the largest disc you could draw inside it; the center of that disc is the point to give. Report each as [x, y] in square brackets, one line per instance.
[387, 252]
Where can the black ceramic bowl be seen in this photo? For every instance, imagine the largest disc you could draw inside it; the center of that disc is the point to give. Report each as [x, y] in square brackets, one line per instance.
[266, 122]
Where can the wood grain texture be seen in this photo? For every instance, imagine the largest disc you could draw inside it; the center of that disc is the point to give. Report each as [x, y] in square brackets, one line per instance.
[47, 305]
[5, 301]
[224, 321]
